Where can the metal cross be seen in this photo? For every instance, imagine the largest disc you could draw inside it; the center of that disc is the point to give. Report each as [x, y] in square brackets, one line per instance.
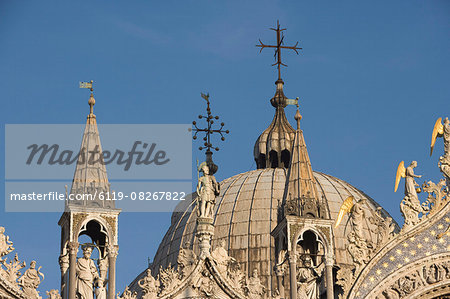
[209, 128]
[278, 47]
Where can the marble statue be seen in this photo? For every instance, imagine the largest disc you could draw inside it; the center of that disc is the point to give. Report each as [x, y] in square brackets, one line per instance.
[358, 250]
[255, 289]
[6, 246]
[149, 285]
[207, 190]
[308, 279]
[221, 257]
[86, 274]
[357, 215]
[443, 130]
[383, 228]
[410, 205]
[30, 281]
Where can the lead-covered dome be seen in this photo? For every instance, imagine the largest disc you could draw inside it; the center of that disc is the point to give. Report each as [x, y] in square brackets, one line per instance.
[247, 211]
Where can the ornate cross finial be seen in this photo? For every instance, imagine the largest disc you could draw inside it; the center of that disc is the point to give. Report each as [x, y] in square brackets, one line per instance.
[209, 128]
[278, 47]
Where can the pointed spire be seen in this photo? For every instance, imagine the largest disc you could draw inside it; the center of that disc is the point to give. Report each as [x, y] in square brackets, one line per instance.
[90, 173]
[301, 189]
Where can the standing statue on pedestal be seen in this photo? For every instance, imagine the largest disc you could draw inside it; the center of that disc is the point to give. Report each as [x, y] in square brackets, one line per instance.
[410, 205]
[207, 190]
[442, 130]
[86, 274]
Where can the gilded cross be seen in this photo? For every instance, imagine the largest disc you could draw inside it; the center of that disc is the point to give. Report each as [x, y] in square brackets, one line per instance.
[278, 47]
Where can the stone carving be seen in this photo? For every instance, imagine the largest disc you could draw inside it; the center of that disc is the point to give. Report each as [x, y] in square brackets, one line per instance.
[205, 284]
[414, 280]
[221, 257]
[149, 285]
[410, 206]
[383, 228]
[344, 278]
[127, 294]
[207, 190]
[308, 279]
[86, 274]
[12, 268]
[254, 288]
[443, 130]
[6, 246]
[30, 281]
[359, 251]
[53, 294]
[186, 260]
[235, 275]
[100, 290]
[168, 279]
[64, 263]
[437, 196]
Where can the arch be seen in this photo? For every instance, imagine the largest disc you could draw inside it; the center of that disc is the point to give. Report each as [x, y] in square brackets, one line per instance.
[273, 159]
[98, 230]
[321, 238]
[285, 158]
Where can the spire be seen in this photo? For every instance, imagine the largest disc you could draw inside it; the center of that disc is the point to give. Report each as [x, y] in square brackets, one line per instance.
[301, 196]
[90, 173]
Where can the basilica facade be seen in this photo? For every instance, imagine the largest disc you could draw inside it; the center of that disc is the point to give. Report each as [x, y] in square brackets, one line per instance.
[282, 230]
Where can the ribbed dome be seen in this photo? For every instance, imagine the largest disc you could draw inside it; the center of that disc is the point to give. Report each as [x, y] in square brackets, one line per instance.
[246, 212]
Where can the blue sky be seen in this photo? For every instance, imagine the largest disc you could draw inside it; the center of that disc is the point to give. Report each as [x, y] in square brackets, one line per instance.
[372, 78]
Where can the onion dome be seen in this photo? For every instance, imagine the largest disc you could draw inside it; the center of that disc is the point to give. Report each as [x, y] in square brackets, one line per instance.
[273, 147]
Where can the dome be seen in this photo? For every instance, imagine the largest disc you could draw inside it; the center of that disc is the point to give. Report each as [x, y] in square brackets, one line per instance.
[246, 212]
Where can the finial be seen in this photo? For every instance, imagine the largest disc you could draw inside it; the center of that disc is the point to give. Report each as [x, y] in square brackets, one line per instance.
[208, 130]
[278, 47]
[298, 117]
[91, 101]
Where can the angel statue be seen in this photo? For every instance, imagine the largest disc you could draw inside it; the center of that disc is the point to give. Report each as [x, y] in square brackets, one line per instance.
[357, 215]
[207, 190]
[410, 205]
[442, 130]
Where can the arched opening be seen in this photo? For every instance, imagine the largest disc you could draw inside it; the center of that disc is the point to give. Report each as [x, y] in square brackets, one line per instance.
[273, 158]
[285, 158]
[97, 233]
[261, 161]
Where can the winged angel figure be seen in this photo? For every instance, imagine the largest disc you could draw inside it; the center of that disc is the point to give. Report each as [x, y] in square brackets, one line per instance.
[410, 205]
[442, 130]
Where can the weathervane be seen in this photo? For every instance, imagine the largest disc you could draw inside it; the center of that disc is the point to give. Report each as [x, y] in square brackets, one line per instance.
[209, 130]
[91, 101]
[278, 47]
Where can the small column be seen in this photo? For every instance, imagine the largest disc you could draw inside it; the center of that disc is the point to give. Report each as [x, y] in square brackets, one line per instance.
[64, 266]
[113, 251]
[205, 232]
[73, 249]
[293, 275]
[329, 262]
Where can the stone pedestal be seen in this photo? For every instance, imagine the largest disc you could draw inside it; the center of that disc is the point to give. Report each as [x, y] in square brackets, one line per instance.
[205, 232]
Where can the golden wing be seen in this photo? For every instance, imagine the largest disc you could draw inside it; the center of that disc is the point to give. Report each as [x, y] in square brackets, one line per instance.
[401, 173]
[438, 131]
[345, 208]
